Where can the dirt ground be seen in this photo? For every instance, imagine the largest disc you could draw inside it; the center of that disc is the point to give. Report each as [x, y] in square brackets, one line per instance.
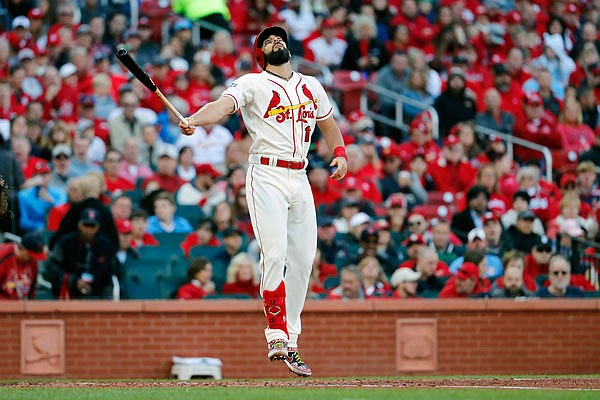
[516, 383]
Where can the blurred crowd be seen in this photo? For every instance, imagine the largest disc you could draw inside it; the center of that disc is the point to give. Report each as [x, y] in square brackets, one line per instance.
[99, 172]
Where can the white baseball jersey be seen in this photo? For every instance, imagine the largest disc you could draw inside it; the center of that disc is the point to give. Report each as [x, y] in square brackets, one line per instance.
[280, 115]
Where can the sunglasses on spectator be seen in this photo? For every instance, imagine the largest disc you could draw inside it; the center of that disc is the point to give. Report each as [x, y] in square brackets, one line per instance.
[113, 160]
[544, 249]
[61, 157]
[415, 223]
[560, 272]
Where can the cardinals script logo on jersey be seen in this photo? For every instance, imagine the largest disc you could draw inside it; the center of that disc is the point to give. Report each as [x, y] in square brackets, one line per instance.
[283, 113]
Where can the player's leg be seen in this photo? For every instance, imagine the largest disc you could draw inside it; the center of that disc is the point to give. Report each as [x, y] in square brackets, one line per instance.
[267, 207]
[302, 244]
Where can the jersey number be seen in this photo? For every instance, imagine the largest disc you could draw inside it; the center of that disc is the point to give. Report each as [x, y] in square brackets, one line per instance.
[307, 133]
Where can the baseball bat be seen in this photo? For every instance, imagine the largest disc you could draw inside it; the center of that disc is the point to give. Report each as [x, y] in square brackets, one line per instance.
[142, 76]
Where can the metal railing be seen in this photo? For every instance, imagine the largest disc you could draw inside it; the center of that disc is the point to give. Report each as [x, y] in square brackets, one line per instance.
[512, 140]
[582, 261]
[319, 71]
[399, 101]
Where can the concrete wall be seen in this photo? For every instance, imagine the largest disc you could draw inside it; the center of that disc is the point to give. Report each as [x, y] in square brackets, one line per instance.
[136, 339]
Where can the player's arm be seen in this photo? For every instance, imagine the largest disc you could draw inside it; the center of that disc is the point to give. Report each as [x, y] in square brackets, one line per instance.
[210, 113]
[333, 137]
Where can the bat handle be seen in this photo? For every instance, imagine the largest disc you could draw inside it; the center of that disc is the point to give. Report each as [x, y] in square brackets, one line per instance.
[170, 106]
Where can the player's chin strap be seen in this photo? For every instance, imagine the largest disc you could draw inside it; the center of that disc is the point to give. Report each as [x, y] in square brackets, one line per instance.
[274, 302]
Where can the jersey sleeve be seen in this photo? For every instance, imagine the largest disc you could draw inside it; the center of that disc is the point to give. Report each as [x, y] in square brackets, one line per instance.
[324, 109]
[240, 91]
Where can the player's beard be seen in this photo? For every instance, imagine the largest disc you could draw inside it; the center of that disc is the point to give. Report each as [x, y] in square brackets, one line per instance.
[278, 57]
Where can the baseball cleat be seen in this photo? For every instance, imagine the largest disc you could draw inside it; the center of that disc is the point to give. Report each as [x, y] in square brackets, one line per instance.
[277, 350]
[295, 363]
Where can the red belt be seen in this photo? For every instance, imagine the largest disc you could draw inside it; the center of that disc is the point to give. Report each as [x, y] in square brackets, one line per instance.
[283, 163]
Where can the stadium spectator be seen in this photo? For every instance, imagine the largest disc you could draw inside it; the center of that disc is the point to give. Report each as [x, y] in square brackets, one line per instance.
[541, 194]
[451, 172]
[332, 247]
[364, 52]
[125, 250]
[130, 168]
[125, 125]
[513, 285]
[166, 170]
[420, 142]
[36, 200]
[570, 207]
[559, 274]
[472, 216]
[350, 287]
[498, 242]
[404, 282]
[328, 49]
[75, 194]
[242, 277]
[202, 191]
[164, 219]
[520, 203]
[203, 235]
[139, 224]
[79, 163]
[81, 263]
[456, 103]
[199, 276]
[464, 284]
[515, 259]
[593, 154]
[19, 267]
[589, 192]
[374, 281]
[441, 241]
[522, 234]
[432, 277]
[477, 243]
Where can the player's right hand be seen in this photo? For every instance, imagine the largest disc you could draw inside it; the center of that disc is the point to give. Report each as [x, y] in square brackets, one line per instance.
[189, 129]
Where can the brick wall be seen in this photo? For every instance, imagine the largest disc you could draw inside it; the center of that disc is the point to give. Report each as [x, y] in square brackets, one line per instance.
[136, 339]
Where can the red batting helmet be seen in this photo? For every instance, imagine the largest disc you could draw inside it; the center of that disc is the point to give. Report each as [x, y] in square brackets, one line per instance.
[259, 56]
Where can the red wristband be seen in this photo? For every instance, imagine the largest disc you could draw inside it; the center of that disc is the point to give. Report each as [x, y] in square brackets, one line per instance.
[340, 151]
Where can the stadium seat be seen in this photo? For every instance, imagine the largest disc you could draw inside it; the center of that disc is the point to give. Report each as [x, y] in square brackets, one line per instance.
[192, 213]
[331, 282]
[349, 85]
[142, 279]
[430, 211]
[166, 254]
[205, 251]
[170, 239]
[540, 280]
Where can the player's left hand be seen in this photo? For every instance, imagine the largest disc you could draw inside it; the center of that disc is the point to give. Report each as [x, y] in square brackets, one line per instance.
[189, 129]
[342, 168]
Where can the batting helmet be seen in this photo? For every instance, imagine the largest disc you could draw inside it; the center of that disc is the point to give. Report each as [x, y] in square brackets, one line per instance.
[259, 56]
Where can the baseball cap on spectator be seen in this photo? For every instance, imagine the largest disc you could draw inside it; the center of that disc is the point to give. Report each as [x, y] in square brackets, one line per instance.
[325, 220]
[329, 23]
[497, 32]
[500, 69]
[359, 121]
[100, 56]
[456, 71]
[53, 39]
[480, 10]
[349, 203]
[468, 270]
[404, 275]
[25, 54]
[418, 125]
[571, 227]
[131, 33]
[20, 22]
[168, 150]
[144, 22]
[351, 183]
[567, 179]
[87, 100]
[544, 244]
[35, 13]
[451, 140]
[124, 226]
[41, 167]
[83, 29]
[390, 151]
[514, 18]
[90, 216]
[490, 216]
[522, 194]
[532, 99]
[33, 242]
[61, 149]
[181, 24]
[358, 219]
[67, 70]
[526, 215]
[207, 169]
[231, 231]
[571, 9]
[414, 238]
[395, 200]
[586, 166]
[475, 233]
[369, 234]
[381, 225]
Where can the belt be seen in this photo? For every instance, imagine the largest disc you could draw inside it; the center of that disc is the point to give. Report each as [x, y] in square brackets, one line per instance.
[283, 163]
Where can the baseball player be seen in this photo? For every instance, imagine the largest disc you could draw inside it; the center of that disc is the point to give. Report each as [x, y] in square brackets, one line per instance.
[280, 108]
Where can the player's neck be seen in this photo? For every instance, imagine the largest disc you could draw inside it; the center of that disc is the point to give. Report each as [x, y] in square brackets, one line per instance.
[283, 71]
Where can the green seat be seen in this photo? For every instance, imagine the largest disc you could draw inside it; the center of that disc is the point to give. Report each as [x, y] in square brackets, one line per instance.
[167, 254]
[205, 251]
[540, 279]
[172, 239]
[589, 294]
[143, 278]
[331, 282]
[193, 213]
